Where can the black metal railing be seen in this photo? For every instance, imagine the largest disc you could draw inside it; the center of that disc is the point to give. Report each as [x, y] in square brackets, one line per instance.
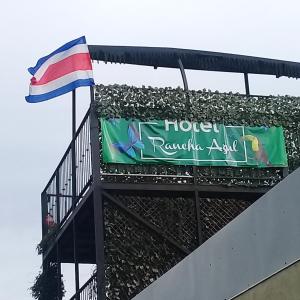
[88, 291]
[57, 198]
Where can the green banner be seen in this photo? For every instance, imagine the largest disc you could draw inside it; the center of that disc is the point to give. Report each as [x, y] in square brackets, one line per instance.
[191, 143]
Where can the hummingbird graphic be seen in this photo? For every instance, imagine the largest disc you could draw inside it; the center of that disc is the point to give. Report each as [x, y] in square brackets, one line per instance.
[134, 143]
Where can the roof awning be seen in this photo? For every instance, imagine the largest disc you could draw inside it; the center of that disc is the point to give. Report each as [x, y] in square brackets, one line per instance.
[194, 60]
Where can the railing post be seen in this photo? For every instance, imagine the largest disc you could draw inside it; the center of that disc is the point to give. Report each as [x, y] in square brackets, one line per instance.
[44, 207]
[57, 188]
[59, 294]
[97, 199]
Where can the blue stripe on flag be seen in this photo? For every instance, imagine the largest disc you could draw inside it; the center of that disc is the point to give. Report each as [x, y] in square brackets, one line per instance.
[60, 91]
[65, 47]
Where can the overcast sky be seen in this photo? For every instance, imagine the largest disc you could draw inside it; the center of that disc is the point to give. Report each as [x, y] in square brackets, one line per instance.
[35, 136]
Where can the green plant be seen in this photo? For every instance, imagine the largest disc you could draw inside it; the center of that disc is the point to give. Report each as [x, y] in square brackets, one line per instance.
[48, 284]
[47, 239]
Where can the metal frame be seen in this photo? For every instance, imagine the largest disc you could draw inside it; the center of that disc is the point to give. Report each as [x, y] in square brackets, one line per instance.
[97, 191]
[100, 190]
[246, 78]
[97, 198]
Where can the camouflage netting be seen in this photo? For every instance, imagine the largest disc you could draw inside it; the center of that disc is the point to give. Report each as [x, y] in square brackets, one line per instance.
[117, 101]
[135, 254]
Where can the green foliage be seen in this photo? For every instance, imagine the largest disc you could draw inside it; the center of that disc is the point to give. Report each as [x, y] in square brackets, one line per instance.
[47, 239]
[231, 109]
[48, 285]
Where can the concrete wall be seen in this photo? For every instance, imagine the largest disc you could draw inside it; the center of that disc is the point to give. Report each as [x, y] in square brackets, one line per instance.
[258, 243]
[285, 285]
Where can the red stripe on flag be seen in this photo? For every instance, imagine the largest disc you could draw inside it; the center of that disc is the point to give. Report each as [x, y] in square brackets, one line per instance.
[75, 62]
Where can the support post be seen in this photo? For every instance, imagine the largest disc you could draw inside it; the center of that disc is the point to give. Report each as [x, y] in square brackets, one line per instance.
[99, 241]
[197, 207]
[75, 254]
[59, 294]
[57, 197]
[97, 199]
[197, 204]
[74, 191]
[185, 84]
[198, 218]
[247, 84]
[73, 148]
[44, 201]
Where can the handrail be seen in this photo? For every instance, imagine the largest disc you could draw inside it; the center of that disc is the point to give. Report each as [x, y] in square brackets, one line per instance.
[88, 291]
[68, 149]
[57, 197]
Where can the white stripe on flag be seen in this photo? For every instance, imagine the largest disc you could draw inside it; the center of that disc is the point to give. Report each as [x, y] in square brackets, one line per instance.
[81, 48]
[57, 83]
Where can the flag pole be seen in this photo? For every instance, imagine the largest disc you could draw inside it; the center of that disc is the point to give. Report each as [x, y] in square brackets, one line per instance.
[73, 113]
[74, 189]
[73, 146]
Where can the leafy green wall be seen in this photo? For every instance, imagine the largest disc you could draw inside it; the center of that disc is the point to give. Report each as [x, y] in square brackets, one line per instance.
[228, 108]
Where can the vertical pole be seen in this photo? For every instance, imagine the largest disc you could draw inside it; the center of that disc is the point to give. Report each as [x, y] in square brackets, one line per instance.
[196, 193]
[75, 259]
[74, 188]
[59, 294]
[95, 143]
[73, 113]
[97, 199]
[185, 84]
[247, 84]
[197, 207]
[198, 213]
[73, 148]
[44, 201]
[57, 179]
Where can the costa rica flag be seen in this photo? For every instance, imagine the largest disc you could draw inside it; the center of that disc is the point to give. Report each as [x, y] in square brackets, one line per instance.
[60, 72]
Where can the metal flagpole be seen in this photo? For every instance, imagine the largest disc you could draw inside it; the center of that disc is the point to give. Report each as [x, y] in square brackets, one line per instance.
[73, 113]
[74, 189]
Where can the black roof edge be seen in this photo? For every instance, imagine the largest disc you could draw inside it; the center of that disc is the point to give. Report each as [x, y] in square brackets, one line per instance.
[194, 60]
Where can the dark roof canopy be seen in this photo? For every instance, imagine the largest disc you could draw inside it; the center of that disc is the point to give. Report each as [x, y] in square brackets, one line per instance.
[194, 59]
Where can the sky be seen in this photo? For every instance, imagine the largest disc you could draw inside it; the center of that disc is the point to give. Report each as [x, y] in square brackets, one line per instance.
[34, 136]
